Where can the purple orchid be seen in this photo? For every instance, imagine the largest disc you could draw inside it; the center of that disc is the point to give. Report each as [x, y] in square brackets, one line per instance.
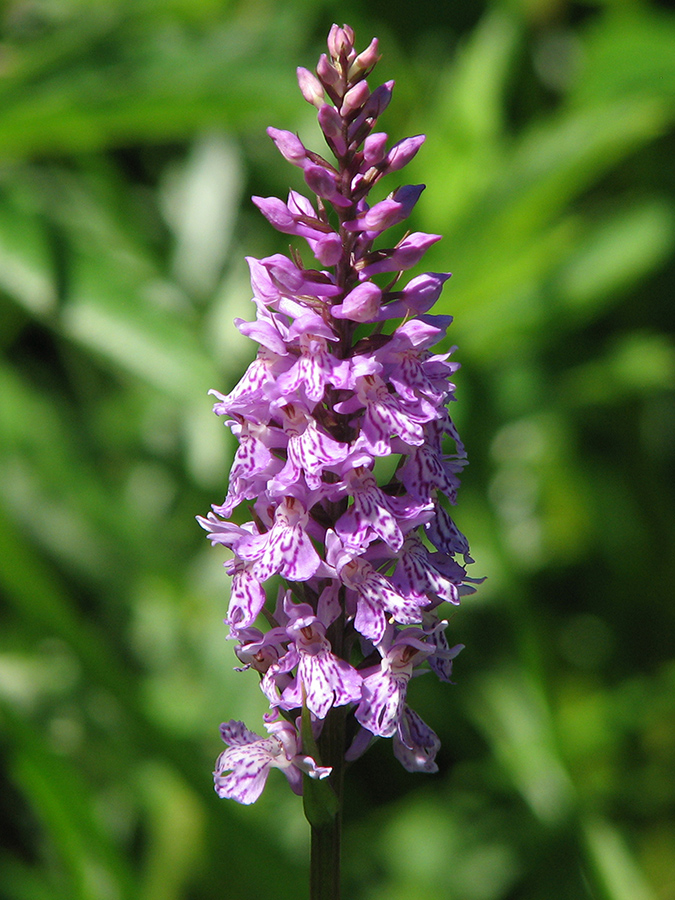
[250, 757]
[345, 375]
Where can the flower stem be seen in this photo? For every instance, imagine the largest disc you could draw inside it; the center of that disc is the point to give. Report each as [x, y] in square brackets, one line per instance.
[326, 839]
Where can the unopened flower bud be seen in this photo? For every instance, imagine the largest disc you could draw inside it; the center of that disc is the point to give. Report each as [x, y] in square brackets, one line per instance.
[327, 72]
[354, 99]
[402, 152]
[407, 254]
[340, 41]
[374, 148]
[324, 184]
[331, 125]
[328, 249]
[379, 100]
[365, 61]
[289, 145]
[373, 107]
[275, 211]
[310, 87]
[360, 305]
[388, 212]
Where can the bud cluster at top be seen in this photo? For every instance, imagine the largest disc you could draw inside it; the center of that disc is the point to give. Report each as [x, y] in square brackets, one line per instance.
[344, 375]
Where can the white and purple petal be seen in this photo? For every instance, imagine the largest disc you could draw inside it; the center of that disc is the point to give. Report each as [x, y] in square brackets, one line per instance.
[415, 744]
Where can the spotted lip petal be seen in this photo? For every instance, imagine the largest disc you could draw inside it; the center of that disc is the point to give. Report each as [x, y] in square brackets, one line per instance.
[241, 771]
[415, 744]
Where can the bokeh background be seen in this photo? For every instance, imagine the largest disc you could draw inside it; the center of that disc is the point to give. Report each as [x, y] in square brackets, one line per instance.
[131, 136]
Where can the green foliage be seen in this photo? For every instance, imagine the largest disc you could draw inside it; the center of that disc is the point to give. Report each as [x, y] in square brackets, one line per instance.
[131, 135]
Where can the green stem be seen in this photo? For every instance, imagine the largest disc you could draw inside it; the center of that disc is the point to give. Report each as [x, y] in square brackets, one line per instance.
[326, 839]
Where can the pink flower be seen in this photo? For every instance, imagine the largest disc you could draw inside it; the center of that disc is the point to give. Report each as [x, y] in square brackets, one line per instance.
[337, 392]
[241, 770]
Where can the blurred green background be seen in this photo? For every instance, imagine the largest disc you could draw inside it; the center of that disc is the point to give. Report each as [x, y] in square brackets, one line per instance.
[131, 136]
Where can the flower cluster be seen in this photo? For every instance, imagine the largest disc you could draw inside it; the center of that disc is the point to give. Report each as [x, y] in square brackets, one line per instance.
[365, 552]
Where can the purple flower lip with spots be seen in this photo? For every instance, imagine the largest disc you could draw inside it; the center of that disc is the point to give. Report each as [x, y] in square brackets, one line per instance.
[241, 770]
[345, 376]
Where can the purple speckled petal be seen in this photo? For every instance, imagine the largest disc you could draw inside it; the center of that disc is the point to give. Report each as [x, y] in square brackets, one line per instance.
[329, 681]
[312, 451]
[386, 416]
[416, 745]
[291, 553]
[384, 697]
[248, 760]
[370, 516]
[441, 659]
[370, 619]
[445, 536]
[250, 757]
[247, 597]
[375, 597]
[417, 576]
[425, 472]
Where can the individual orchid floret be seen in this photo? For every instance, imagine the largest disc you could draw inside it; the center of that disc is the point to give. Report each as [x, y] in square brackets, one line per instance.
[416, 576]
[415, 744]
[285, 548]
[241, 770]
[257, 650]
[323, 679]
[311, 451]
[317, 368]
[377, 601]
[254, 465]
[427, 470]
[248, 397]
[247, 596]
[384, 690]
[373, 514]
[384, 416]
[416, 376]
[446, 536]
[440, 661]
